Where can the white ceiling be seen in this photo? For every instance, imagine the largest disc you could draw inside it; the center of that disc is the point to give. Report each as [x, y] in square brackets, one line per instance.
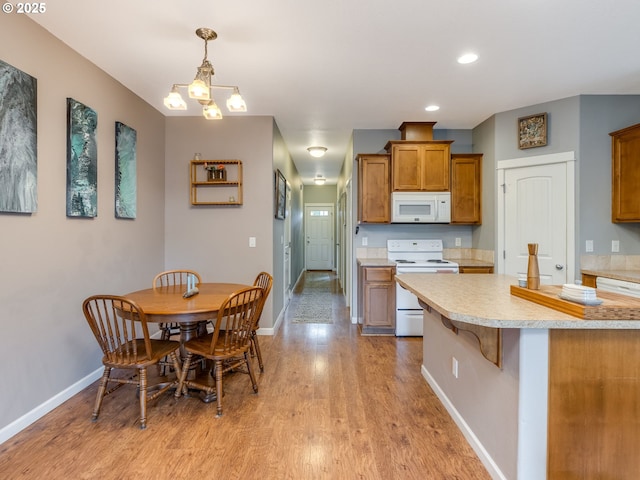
[323, 69]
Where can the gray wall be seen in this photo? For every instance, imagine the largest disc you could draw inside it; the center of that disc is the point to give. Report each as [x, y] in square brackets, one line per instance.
[51, 263]
[215, 240]
[600, 115]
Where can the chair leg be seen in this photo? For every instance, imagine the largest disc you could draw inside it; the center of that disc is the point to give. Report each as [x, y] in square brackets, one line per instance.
[254, 384]
[102, 388]
[218, 370]
[142, 376]
[256, 347]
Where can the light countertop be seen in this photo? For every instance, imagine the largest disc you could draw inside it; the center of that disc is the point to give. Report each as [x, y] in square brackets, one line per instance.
[626, 275]
[376, 262]
[486, 300]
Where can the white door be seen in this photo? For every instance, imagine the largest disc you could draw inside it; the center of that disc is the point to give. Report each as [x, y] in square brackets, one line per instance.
[537, 208]
[319, 221]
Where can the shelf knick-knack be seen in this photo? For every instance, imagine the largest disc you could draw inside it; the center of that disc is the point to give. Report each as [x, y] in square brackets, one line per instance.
[533, 272]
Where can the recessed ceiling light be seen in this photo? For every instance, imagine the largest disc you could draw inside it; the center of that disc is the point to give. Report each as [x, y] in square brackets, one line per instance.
[432, 108]
[467, 58]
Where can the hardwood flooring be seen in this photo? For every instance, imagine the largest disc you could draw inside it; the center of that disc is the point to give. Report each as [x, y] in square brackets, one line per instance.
[332, 405]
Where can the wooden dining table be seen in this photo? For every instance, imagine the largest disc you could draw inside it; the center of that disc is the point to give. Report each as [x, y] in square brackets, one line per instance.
[167, 305]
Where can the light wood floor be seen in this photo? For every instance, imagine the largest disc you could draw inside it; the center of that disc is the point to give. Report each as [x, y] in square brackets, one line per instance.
[332, 405]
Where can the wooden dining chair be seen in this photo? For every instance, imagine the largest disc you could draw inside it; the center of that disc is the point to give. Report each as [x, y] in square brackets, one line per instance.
[115, 322]
[265, 282]
[173, 277]
[228, 348]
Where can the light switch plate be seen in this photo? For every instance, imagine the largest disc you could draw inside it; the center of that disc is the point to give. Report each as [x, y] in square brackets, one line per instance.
[252, 242]
[588, 247]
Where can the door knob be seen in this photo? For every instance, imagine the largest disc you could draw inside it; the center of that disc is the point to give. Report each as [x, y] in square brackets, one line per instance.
[559, 267]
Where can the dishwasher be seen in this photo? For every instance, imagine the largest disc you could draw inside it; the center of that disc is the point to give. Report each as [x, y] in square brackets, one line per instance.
[622, 287]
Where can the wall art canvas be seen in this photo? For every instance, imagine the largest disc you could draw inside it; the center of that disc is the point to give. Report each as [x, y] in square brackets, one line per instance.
[126, 186]
[18, 141]
[82, 160]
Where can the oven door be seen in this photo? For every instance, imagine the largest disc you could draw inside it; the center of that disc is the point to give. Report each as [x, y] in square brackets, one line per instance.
[408, 310]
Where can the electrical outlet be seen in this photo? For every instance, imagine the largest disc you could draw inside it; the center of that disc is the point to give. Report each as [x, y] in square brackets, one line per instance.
[454, 366]
[458, 241]
[588, 247]
[615, 246]
[365, 241]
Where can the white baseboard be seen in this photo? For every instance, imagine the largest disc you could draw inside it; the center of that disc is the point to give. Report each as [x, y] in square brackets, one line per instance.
[475, 443]
[41, 410]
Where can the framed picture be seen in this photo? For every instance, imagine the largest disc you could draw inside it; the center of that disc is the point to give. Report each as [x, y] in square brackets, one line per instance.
[126, 187]
[18, 141]
[281, 195]
[82, 160]
[532, 131]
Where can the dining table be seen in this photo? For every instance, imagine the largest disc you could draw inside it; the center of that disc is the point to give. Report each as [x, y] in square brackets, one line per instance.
[167, 304]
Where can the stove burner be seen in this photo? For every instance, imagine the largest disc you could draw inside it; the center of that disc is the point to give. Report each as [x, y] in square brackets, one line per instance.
[405, 261]
[435, 260]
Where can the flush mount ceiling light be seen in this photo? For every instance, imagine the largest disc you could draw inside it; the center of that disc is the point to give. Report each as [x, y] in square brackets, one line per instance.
[201, 89]
[432, 108]
[467, 58]
[317, 151]
[319, 180]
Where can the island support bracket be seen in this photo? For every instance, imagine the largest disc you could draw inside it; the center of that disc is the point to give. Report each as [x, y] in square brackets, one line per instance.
[489, 339]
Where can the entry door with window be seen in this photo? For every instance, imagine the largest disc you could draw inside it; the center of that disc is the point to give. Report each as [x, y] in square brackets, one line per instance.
[319, 221]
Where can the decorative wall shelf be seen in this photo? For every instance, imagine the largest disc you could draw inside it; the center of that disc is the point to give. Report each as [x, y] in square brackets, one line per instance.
[222, 187]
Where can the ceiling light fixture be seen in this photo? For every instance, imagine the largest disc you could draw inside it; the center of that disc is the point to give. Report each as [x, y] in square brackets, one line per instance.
[201, 87]
[432, 108]
[319, 180]
[317, 151]
[467, 58]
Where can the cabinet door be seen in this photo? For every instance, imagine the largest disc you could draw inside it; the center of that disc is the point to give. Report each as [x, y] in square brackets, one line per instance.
[434, 167]
[466, 188]
[406, 167]
[625, 205]
[374, 189]
[378, 297]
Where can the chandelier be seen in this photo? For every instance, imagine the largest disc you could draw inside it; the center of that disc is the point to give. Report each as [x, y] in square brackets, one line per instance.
[201, 89]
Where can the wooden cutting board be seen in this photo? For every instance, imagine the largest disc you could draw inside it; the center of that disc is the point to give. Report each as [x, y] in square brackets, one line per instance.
[613, 307]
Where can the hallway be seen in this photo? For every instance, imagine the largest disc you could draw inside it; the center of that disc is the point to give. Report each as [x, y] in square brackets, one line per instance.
[332, 405]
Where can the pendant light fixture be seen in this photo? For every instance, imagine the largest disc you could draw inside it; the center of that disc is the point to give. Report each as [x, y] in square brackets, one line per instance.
[201, 89]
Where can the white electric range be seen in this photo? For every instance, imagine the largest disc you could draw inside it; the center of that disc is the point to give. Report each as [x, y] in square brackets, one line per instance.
[415, 256]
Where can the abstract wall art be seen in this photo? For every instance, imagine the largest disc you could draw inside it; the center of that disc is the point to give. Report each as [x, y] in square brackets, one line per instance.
[125, 171]
[18, 141]
[82, 160]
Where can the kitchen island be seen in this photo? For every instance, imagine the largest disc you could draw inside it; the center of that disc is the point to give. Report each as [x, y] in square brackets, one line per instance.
[562, 401]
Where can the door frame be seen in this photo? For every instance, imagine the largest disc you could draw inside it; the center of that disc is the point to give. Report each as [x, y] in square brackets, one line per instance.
[569, 159]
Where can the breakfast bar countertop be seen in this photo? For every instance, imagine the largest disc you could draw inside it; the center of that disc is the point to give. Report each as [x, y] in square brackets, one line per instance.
[486, 300]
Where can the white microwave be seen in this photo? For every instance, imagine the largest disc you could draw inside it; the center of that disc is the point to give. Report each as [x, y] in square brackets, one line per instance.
[420, 207]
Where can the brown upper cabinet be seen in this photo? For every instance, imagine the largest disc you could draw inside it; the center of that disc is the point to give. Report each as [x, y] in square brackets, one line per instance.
[374, 180]
[625, 153]
[420, 165]
[466, 188]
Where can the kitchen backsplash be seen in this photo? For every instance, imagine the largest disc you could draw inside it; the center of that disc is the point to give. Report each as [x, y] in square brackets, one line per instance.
[610, 262]
[448, 253]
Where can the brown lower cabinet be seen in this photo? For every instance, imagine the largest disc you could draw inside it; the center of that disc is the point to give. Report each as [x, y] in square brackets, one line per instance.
[377, 300]
[475, 269]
